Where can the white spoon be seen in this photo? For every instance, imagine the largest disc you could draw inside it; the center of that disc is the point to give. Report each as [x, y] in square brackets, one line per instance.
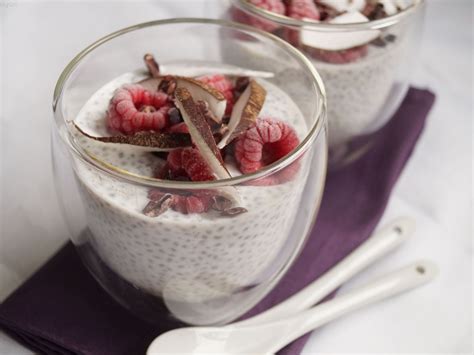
[270, 337]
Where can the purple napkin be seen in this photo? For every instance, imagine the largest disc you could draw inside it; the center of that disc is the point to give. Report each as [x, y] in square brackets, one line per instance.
[62, 310]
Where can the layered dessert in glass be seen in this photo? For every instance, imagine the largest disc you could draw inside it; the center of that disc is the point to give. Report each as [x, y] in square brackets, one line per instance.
[363, 49]
[194, 182]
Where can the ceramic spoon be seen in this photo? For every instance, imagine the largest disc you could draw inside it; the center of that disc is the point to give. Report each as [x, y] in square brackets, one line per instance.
[267, 338]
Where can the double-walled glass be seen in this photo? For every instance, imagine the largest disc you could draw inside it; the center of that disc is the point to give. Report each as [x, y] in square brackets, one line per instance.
[365, 83]
[197, 268]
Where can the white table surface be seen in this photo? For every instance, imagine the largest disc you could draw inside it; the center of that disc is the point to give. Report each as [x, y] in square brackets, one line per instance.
[38, 39]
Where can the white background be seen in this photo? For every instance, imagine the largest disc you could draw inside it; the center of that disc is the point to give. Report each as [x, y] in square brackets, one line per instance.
[38, 39]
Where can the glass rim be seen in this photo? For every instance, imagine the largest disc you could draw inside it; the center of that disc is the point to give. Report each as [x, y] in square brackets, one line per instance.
[329, 27]
[314, 130]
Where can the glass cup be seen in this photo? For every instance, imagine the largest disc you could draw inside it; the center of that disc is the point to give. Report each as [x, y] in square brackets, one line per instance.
[193, 268]
[365, 84]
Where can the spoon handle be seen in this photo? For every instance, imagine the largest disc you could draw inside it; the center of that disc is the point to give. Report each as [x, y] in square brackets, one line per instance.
[379, 244]
[400, 281]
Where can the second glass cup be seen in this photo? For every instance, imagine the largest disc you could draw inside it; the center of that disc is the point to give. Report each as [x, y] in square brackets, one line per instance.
[365, 81]
[198, 268]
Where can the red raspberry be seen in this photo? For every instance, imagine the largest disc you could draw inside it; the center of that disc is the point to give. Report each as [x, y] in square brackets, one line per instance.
[224, 85]
[185, 164]
[264, 143]
[299, 9]
[134, 109]
[275, 6]
[280, 177]
[195, 166]
[179, 204]
[162, 172]
[179, 128]
[198, 204]
[338, 57]
[175, 164]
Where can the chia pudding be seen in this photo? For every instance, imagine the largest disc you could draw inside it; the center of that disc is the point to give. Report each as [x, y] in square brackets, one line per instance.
[191, 251]
[363, 69]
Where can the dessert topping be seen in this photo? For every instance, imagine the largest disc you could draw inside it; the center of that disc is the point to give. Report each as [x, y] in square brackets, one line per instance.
[374, 11]
[180, 120]
[174, 116]
[200, 132]
[134, 109]
[152, 65]
[198, 201]
[339, 40]
[195, 166]
[150, 140]
[301, 9]
[202, 92]
[231, 212]
[344, 5]
[224, 85]
[221, 203]
[245, 112]
[211, 119]
[275, 6]
[179, 128]
[167, 85]
[156, 207]
[264, 143]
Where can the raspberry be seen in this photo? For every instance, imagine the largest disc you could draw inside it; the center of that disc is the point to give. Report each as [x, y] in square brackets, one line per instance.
[195, 166]
[338, 57]
[199, 201]
[134, 109]
[175, 164]
[183, 164]
[179, 204]
[299, 9]
[264, 143]
[275, 6]
[179, 128]
[162, 172]
[195, 204]
[224, 85]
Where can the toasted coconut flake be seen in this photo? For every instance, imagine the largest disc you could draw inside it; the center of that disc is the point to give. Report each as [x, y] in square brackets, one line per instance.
[245, 111]
[152, 65]
[340, 40]
[151, 84]
[234, 211]
[203, 92]
[200, 132]
[150, 140]
[199, 91]
[156, 208]
[221, 203]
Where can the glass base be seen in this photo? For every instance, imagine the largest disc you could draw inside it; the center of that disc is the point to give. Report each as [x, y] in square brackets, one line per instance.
[156, 310]
[147, 307]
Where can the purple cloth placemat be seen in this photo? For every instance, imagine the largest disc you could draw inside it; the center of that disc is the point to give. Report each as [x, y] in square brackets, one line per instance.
[62, 310]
